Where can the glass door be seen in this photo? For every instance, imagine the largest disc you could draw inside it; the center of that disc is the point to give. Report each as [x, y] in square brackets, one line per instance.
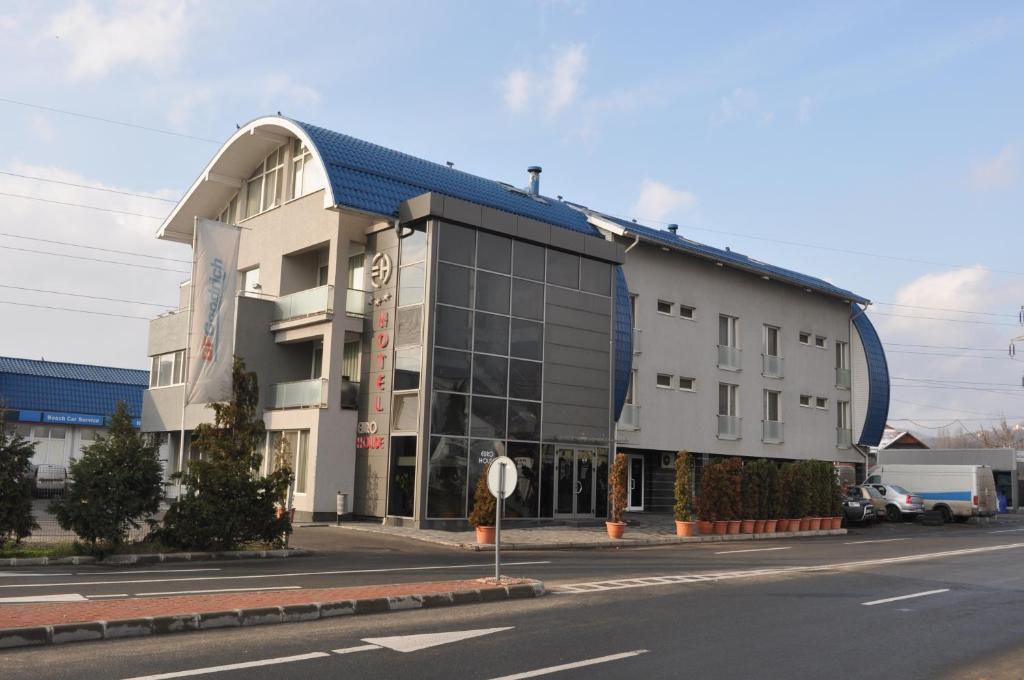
[575, 482]
[636, 483]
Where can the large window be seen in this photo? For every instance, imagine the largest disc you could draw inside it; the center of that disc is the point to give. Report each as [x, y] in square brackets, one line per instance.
[307, 175]
[265, 188]
[289, 448]
[167, 369]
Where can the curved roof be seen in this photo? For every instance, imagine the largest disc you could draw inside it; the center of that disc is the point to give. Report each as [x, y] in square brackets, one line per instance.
[878, 378]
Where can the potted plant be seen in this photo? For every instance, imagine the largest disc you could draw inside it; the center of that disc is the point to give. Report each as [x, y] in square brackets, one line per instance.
[804, 498]
[835, 499]
[733, 493]
[617, 497]
[684, 495]
[711, 498]
[751, 498]
[485, 508]
[772, 497]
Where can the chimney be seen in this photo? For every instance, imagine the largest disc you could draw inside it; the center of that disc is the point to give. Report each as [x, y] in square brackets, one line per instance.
[673, 228]
[534, 186]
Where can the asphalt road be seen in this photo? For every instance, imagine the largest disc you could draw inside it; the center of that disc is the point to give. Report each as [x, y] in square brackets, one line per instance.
[956, 616]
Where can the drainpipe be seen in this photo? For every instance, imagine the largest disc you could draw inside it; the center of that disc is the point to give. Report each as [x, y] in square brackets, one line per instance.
[636, 239]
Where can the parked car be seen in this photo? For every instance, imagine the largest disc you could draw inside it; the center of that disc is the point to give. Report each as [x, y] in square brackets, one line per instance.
[869, 493]
[49, 480]
[899, 503]
[858, 509]
[959, 492]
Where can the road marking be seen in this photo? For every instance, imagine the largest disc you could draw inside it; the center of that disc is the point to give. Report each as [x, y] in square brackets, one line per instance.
[646, 582]
[1003, 531]
[219, 590]
[15, 574]
[100, 597]
[141, 571]
[879, 540]
[68, 597]
[905, 597]
[254, 576]
[575, 664]
[233, 666]
[414, 643]
[360, 648]
[733, 552]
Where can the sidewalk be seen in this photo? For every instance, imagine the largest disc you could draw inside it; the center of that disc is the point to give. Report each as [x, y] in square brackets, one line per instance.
[59, 622]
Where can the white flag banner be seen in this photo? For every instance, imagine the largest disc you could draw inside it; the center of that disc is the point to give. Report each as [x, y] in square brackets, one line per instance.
[212, 334]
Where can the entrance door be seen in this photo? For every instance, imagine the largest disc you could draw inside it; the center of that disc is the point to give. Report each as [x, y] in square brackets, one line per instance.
[574, 482]
[636, 483]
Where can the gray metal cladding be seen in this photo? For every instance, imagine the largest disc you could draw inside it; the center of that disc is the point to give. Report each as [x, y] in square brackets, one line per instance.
[878, 378]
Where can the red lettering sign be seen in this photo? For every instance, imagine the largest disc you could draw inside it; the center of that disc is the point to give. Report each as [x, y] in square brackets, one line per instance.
[369, 441]
[381, 356]
[382, 340]
[382, 319]
[381, 381]
[377, 405]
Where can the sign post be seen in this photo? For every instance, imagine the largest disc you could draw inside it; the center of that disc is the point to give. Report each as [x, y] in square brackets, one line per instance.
[502, 477]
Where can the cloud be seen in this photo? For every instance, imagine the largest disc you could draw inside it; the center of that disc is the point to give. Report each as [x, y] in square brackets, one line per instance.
[997, 172]
[279, 89]
[149, 33]
[184, 106]
[557, 85]
[804, 108]
[658, 200]
[7, 23]
[40, 125]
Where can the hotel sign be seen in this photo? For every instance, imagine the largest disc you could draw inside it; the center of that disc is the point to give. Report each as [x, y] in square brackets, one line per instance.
[374, 427]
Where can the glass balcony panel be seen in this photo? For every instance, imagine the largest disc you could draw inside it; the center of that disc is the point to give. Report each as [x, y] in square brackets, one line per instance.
[729, 427]
[356, 302]
[773, 367]
[298, 394]
[774, 431]
[729, 357]
[304, 303]
[636, 340]
[843, 378]
[844, 438]
[630, 418]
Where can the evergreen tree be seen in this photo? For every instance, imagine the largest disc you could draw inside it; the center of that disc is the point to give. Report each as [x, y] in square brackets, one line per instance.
[16, 519]
[116, 483]
[225, 502]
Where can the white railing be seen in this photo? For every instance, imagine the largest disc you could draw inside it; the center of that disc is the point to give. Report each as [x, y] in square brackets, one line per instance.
[729, 427]
[843, 378]
[772, 366]
[356, 302]
[729, 357]
[298, 394]
[304, 303]
[773, 431]
[630, 418]
[636, 340]
[844, 438]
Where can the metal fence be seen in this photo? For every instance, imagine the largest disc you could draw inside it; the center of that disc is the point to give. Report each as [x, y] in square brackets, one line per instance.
[51, 533]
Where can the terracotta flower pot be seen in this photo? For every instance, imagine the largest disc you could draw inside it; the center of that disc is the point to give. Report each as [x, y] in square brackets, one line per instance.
[759, 526]
[816, 524]
[770, 525]
[747, 526]
[705, 528]
[805, 524]
[734, 526]
[485, 535]
[721, 527]
[685, 528]
[615, 529]
[781, 525]
[837, 522]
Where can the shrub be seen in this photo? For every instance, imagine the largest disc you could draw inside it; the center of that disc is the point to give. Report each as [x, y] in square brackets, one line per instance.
[772, 491]
[682, 490]
[617, 488]
[753, 490]
[794, 490]
[16, 519]
[708, 492]
[117, 481]
[732, 486]
[485, 505]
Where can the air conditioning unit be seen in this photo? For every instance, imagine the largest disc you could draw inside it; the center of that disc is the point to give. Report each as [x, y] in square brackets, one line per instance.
[668, 461]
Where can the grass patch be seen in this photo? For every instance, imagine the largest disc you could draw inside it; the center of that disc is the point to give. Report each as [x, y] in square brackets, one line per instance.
[36, 550]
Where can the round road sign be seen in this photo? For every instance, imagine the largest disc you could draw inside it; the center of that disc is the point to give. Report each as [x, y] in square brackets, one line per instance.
[494, 473]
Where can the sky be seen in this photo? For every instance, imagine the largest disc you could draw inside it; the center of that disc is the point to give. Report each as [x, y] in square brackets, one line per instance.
[877, 145]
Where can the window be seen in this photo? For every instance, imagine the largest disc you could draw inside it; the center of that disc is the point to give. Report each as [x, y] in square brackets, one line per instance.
[664, 307]
[805, 338]
[168, 369]
[493, 252]
[264, 189]
[728, 399]
[595, 276]
[631, 388]
[664, 380]
[820, 402]
[772, 406]
[820, 342]
[771, 341]
[727, 327]
[686, 312]
[307, 176]
[288, 448]
[687, 384]
[528, 261]
[842, 355]
[563, 269]
[843, 415]
[405, 412]
[251, 282]
[806, 400]
[350, 360]
[356, 266]
[632, 308]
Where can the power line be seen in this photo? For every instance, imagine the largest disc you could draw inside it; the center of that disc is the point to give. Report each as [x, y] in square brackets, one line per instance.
[961, 382]
[952, 356]
[936, 318]
[95, 259]
[79, 205]
[943, 309]
[107, 120]
[86, 186]
[77, 311]
[1005, 393]
[90, 297]
[973, 349]
[106, 250]
[945, 408]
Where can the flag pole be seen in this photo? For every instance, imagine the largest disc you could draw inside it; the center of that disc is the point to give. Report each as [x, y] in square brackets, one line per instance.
[188, 349]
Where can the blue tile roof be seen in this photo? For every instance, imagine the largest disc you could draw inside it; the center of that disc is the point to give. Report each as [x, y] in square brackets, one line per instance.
[27, 384]
[728, 257]
[878, 378]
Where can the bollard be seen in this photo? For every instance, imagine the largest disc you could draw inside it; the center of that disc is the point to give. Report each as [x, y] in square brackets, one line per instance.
[342, 505]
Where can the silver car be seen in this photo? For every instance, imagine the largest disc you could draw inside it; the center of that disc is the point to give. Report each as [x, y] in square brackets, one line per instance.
[899, 503]
[49, 480]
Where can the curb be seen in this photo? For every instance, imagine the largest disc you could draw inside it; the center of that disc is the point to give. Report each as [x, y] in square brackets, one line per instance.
[153, 558]
[644, 542]
[63, 633]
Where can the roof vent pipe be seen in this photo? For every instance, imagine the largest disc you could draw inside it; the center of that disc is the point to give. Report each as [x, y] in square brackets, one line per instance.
[673, 228]
[534, 186]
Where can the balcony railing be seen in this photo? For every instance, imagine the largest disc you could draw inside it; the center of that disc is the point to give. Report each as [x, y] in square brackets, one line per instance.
[298, 394]
[630, 418]
[729, 427]
[773, 431]
[356, 302]
[304, 303]
[843, 378]
[636, 340]
[844, 438]
[772, 366]
[729, 357]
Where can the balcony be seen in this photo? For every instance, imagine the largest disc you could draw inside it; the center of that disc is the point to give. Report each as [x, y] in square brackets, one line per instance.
[772, 366]
[773, 431]
[630, 418]
[844, 438]
[843, 378]
[729, 427]
[636, 340]
[298, 394]
[729, 357]
[356, 302]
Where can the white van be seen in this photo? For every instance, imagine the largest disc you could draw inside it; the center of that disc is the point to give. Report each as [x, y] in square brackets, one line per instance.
[959, 492]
